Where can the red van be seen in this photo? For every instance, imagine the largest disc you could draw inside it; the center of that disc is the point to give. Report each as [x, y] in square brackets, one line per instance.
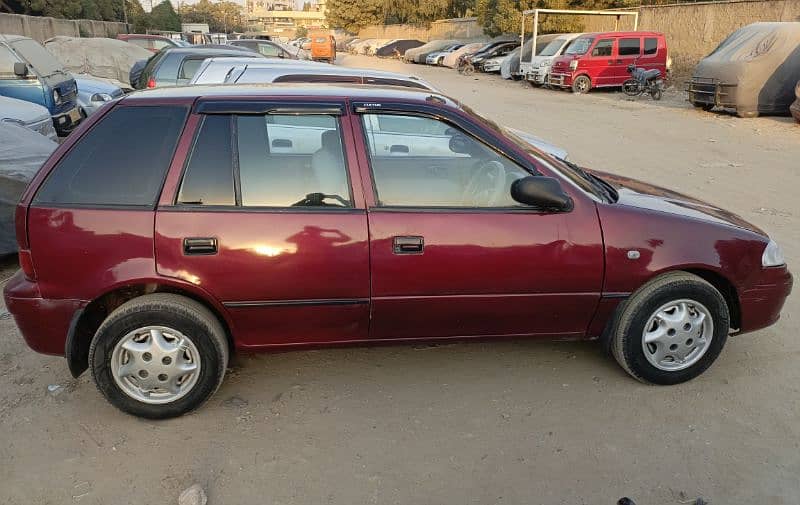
[598, 60]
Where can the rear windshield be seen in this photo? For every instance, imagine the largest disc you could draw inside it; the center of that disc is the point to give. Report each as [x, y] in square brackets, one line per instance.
[122, 160]
[580, 45]
[552, 48]
[42, 61]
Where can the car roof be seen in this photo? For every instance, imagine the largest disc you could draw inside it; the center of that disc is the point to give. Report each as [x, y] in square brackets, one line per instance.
[212, 51]
[12, 38]
[142, 36]
[623, 34]
[305, 90]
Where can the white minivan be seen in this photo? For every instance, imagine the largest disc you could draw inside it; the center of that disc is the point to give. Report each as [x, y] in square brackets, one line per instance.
[537, 70]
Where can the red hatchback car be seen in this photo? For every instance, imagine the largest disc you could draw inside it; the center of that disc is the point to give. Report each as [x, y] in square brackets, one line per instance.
[180, 225]
[596, 60]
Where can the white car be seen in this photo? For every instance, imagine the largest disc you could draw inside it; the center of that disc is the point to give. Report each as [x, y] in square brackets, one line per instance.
[28, 114]
[538, 68]
[217, 70]
[493, 64]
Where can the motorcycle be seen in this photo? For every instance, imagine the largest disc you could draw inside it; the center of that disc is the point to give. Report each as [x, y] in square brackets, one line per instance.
[643, 81]
[464, 65]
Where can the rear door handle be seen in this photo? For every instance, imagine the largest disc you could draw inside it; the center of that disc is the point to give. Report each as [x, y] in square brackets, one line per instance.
[408, 245]
[197, 246]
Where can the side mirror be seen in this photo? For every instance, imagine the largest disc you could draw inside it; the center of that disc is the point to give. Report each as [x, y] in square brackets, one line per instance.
[20, 69]
[544, 192]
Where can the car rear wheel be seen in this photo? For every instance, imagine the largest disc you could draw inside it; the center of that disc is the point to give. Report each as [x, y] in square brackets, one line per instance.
[159, 356]
[671, 329]
[581, 84]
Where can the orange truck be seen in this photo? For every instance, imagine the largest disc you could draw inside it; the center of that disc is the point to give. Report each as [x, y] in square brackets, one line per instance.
[323, 47]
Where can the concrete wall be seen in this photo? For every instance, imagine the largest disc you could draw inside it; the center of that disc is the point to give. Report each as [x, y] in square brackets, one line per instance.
[462, 29]
[43, 28]
[694, 29]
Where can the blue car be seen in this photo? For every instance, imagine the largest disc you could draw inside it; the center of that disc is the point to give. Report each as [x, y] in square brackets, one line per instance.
[28, 72]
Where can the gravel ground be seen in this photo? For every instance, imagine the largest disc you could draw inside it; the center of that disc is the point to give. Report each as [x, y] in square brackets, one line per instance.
[508, 422]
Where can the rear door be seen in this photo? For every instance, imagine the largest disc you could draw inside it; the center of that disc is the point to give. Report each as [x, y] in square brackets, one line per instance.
[264, 218]
[629, 51]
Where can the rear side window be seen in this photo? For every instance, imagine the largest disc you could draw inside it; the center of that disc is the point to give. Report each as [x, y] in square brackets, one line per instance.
[629, 47]
[122, 160]
[650, 46]
[209, 174]
[603, 47]
[188, 69]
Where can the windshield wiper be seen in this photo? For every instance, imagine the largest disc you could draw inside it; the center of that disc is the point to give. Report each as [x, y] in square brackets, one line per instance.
[606, 189]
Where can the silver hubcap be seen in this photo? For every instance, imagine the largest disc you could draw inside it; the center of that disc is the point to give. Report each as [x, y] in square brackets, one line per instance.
[677, 335]
[155, 364]
[583, 85]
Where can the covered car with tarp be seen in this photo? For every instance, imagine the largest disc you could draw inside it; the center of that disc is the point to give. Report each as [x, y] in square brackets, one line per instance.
[22, 153]
[100, 57]
[753, 71]
[418, 54]
[397, 48]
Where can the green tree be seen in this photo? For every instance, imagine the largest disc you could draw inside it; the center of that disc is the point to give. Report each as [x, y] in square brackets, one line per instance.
[164, 17]
[222, 17]
[301, 31]
[353, 15]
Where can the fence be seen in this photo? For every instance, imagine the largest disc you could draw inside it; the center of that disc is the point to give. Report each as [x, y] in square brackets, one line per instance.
[43, 28]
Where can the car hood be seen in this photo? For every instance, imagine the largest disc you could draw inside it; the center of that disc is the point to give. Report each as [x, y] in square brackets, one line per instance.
[22, 111]
[647, 196]
[90, 84]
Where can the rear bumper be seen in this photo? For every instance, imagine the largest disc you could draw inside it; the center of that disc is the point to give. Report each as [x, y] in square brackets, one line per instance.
[68, 121]
[761, 304]
[43, 323]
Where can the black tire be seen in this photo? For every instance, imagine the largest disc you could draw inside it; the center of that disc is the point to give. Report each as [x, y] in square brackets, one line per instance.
[626, 332]
[656, 94]
[161, 309]
[631, 87]
[581, 84]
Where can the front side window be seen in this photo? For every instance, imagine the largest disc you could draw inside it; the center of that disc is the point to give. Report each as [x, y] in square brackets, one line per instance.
[629, 47]
[269, 50]
[122, 160]
[603, 47]
[280, 161]
[423, 162]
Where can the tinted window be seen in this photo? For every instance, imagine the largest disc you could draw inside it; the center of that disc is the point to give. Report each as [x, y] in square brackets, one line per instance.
[292, 161]
[167, 71]
[629, 47]
[209, 174]
[423, 162]
[650, 46]
[7, 60]
[268, 50]
[603, 47]
[189, 68]
[120, 161]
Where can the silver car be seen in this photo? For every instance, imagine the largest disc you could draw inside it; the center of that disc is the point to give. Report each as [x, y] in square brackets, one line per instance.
[27, 114]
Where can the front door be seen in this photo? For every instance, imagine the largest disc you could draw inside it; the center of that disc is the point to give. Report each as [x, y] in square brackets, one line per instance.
[600, 62]
[453, 255]
[265, 221]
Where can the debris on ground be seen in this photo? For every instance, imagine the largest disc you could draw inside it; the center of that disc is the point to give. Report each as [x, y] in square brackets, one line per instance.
[193, 495]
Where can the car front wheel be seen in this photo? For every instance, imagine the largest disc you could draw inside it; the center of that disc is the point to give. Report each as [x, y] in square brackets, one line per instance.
[581, 84]
[159, 356]
[671, 329]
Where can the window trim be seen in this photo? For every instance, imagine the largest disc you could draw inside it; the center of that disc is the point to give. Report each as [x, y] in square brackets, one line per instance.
[238, 206]
[362, 109]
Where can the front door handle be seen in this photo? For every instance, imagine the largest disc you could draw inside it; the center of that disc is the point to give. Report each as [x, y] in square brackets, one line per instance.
[197, 246]
[408, 245]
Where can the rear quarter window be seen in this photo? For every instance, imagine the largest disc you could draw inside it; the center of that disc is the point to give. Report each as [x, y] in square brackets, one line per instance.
[122, 160]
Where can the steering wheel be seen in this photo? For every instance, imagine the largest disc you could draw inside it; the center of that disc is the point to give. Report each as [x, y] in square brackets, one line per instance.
[486, 186]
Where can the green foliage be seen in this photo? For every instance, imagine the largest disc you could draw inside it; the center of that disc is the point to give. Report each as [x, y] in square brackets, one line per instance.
[222, 17]
[301, 31]
[352, 15]
[164, 17]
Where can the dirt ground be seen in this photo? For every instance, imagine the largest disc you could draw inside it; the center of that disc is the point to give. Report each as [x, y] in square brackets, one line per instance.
[507, 423]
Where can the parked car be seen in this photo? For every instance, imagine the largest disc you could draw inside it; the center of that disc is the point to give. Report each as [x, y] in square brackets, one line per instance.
[491, 61]
[372, 48]
[418, 54]
[153, 43]
[22, 153]
[536, 69]
[596, 60]
[177, 66]
[752, 71]
[323, 47]
[258, 218]
[217, 70]
[28, 72]
[28, 115]
[269, 48]
[795, 107]
[451, 59]
[97, 56]
[397, 48]
[436, 57]
[94, 92]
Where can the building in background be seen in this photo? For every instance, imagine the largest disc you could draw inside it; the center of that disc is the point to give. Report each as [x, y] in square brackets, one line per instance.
[279, 18]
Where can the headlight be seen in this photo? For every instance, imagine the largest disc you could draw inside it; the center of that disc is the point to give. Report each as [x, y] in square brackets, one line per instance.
[773, 256]
[101, 97]
[56, 97]
[573, 64]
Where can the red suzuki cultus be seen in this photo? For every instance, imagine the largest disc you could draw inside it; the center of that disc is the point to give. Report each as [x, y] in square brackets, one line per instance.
[179, 225]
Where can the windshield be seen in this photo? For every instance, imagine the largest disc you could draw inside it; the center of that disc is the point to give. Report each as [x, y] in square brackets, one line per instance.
[580, 46]
[44, 63]
[552, 48]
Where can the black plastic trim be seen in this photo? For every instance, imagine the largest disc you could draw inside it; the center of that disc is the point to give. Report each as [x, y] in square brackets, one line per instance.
[77, 362]
[244, 107]
[297, 303]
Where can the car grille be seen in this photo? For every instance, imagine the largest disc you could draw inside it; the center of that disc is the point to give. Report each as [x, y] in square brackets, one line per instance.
[709, 90]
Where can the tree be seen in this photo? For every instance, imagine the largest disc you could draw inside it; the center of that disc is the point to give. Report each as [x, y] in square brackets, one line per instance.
[307, 6]
[353, 15]
[223, 16]
[164, 17]
[301, 31]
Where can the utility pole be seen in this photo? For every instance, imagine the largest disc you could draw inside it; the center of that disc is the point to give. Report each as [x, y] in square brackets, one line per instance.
[124, 12]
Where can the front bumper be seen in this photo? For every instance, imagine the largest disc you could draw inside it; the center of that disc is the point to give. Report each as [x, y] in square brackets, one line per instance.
[538, 75]
[68, 121]
[43, 323]
[761, 303]
[491, 67]
[560, 80]
[711, 92]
